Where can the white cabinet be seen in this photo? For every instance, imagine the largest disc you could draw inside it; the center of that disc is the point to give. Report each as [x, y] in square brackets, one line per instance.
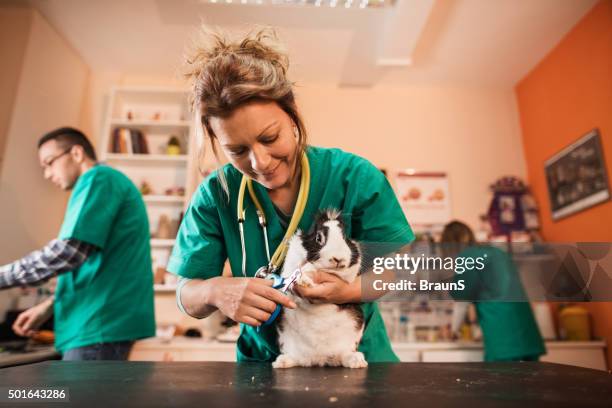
[451, 356]
[182, 349]
[588, 354]
[408, 356]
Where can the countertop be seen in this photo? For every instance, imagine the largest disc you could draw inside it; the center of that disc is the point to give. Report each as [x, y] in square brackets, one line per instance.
[28, 355]
[147, 384]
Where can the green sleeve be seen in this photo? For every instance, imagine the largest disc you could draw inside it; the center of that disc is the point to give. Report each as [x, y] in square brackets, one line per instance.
[377, 215]
[199, 252]
[92, 208]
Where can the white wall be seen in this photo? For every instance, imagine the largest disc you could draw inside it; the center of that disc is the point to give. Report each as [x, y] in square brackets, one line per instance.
[471, 133]
[50, 93]
[14, 33]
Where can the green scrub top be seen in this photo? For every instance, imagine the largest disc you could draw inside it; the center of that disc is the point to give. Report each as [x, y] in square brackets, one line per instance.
[509, 328]
[109, 297]
[209, 235]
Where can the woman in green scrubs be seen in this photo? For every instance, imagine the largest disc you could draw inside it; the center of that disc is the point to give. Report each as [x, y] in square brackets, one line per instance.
[246, 106]
[509, 329]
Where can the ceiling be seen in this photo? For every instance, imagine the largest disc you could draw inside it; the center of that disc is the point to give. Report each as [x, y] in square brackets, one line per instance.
[479, 42]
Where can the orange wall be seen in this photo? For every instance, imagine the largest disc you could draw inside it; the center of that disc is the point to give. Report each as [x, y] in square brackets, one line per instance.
[567, 94]
[560, 100]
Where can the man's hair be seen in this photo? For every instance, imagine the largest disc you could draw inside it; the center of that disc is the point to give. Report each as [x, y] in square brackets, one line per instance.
[67, 137]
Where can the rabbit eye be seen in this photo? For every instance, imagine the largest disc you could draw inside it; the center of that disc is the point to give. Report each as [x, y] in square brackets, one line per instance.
[320, 238]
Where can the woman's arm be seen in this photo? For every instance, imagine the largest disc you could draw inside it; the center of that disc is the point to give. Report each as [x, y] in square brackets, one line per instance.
[244, 300]
[193, 297]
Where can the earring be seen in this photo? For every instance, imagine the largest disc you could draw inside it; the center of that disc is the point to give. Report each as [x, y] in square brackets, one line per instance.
[295, 131]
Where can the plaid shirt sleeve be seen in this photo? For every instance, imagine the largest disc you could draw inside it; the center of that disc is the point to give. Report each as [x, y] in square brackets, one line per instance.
[57, 257]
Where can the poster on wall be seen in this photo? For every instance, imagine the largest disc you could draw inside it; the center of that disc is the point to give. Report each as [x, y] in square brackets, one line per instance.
[424, 197]
[576, 177]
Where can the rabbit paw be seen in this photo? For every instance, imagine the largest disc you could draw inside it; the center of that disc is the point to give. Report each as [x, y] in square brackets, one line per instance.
[354, 360]
[305, 280]
[284, 361]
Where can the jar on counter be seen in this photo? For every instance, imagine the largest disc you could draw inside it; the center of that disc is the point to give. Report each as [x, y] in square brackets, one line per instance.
[574, 323]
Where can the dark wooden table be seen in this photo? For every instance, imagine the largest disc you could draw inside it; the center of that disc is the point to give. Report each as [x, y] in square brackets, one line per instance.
[208, 384]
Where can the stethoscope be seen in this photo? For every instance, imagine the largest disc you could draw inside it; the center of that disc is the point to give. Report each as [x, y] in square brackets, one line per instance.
[278, 257]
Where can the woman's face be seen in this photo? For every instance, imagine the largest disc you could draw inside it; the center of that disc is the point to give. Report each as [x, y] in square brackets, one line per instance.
[259, 140]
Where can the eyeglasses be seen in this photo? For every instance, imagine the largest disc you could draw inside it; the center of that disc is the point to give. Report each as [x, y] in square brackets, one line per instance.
[50, 162]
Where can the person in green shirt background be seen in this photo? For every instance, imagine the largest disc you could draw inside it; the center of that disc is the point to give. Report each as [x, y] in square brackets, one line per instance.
[246, 105]
[509, 329]
[103, 300]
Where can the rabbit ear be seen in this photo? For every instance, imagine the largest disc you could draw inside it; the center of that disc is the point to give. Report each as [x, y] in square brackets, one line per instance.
[329, 214]
[333, 214]
[321, 217]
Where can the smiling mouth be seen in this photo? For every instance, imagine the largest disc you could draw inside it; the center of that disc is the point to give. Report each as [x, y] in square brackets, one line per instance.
[268, 174]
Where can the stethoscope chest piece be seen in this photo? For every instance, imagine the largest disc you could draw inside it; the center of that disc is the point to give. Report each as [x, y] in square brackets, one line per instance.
[278, 284]
[263, 272]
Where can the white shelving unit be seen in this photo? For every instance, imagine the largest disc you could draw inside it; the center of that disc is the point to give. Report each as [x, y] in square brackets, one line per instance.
[159, 199]
[164, 288]
[162, 243]
[158, 113]
[154, 159]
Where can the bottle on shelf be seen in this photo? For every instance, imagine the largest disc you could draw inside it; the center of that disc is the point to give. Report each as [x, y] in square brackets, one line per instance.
[403, 328]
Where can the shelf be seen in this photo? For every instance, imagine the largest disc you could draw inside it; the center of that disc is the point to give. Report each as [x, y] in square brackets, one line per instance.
[164, 288]
[162, 243]
[147, 158]
[170, 105]
[151, 124]
[163, 199]
[533, 257]
[145, 122]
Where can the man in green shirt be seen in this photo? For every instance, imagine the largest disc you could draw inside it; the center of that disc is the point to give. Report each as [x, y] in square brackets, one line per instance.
[102, 257]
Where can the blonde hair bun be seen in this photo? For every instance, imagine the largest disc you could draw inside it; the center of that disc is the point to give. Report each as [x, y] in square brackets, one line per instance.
[224, 71]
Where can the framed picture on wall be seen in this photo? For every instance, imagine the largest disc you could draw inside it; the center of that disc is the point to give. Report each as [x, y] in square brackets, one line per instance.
[576, 176]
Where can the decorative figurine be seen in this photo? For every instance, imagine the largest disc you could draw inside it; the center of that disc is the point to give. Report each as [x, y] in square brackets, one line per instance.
[174, 146]
[145, 188]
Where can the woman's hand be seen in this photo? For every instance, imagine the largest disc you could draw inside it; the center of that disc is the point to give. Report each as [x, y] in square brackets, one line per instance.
[329, 288]
[247, 300]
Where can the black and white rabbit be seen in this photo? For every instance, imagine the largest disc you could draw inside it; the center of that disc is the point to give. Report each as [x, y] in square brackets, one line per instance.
[319, 334]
